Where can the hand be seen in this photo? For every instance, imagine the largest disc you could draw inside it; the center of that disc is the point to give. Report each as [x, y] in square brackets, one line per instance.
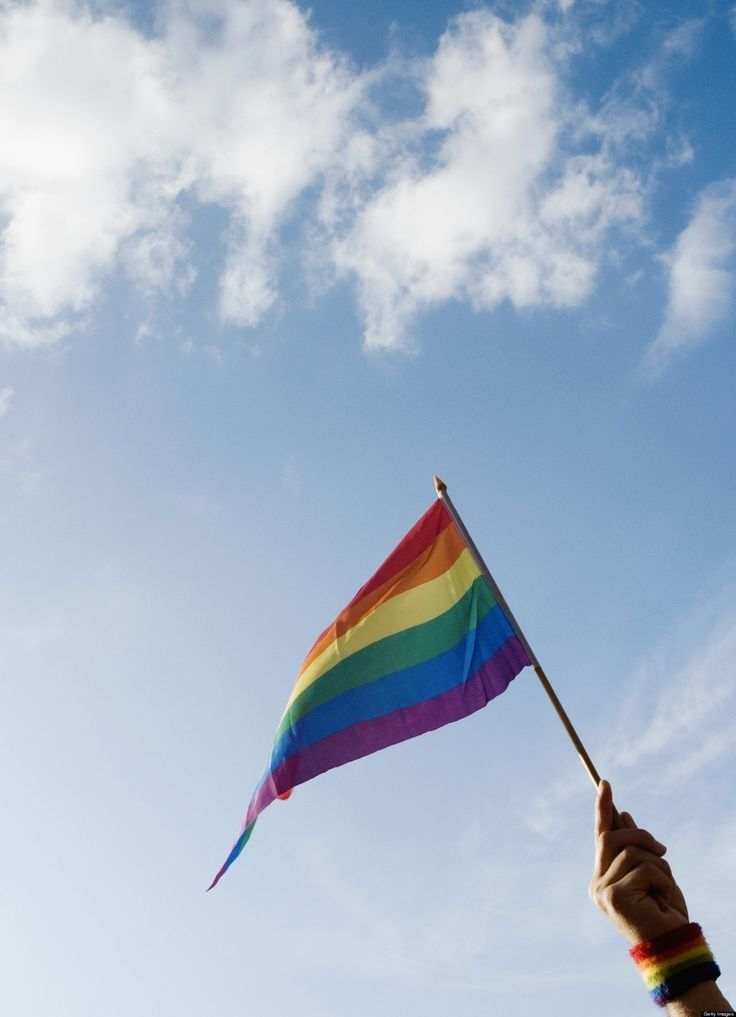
[632, 883]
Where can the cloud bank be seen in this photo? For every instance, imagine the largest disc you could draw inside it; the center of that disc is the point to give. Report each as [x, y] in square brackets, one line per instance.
[499, 186]
[105, 131]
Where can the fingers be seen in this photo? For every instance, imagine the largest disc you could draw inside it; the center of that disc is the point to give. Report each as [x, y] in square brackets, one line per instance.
[612, 842]
[622, 820]
[628, 859]
[676, 899]
[644, 880]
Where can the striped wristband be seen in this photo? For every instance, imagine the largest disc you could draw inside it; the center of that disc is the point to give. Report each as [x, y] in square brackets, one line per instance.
[675, 962]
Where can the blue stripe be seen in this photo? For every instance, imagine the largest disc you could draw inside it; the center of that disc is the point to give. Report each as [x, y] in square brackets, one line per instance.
[400, 689]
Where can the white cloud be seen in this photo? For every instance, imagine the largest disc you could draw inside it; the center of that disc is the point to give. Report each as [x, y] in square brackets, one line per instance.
[266, 111]
[701, 276]
[104, 130]
[508, 210]
[6, 398]
[503, 188]
[81, 101]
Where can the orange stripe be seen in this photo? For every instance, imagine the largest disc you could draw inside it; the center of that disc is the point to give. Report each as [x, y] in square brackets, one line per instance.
[432, 562]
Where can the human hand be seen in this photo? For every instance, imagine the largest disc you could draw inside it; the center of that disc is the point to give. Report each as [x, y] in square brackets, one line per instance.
[632, 883]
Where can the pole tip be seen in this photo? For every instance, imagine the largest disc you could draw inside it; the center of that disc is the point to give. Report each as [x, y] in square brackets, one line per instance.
[439, 485]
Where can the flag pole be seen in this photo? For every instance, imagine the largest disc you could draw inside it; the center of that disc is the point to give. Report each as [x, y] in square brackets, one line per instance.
[444, 497]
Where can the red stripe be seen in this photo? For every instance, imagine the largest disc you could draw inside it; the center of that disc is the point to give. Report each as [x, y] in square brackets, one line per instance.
[662, 957]
[685, 937]
[419, 538]
[441, 555]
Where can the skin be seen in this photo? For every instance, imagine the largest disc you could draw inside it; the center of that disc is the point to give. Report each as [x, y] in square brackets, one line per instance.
[634, 887]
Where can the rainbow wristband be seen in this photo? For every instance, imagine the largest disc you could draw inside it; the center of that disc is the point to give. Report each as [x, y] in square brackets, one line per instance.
[675, 962]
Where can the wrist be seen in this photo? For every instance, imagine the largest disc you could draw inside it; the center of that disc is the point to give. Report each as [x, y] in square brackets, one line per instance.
[653, 928]
[674, 963]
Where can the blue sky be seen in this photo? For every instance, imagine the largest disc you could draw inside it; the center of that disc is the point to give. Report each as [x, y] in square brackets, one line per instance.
[264, 270]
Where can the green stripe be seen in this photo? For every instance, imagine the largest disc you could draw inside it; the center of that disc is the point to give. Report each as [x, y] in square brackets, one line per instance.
[393, 653]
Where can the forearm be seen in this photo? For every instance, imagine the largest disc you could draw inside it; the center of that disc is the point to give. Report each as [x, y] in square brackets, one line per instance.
[703, 998]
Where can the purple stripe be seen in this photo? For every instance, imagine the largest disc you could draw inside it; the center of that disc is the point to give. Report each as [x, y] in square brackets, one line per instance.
[489, 681]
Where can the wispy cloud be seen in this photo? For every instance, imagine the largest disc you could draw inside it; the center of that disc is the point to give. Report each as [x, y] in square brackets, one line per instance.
[680, 708]
[672, 717]
[6, 399]
[635, 106]
[446, 937]
[702, 274]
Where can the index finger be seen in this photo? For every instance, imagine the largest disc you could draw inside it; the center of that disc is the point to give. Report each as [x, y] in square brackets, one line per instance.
[603, 809]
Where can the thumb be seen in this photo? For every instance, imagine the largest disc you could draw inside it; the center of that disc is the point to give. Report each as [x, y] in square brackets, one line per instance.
[603, 809]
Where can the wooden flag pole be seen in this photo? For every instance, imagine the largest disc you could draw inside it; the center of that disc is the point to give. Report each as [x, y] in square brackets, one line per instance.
[444, 497]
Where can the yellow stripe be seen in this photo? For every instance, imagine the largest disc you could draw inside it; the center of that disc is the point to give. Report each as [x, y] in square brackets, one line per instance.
[403, 611]
[654, 972]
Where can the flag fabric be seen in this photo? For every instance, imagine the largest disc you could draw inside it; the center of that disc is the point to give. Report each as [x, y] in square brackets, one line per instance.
[422, 643]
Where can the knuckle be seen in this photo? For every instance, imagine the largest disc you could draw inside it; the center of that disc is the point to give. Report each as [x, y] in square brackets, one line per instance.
[649, 843]
[631, 854]
[599, 898]
[597, 894]
[651, 868]
[616, 895]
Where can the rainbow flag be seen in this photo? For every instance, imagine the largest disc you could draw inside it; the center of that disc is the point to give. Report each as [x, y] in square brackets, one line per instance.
[422, 644]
